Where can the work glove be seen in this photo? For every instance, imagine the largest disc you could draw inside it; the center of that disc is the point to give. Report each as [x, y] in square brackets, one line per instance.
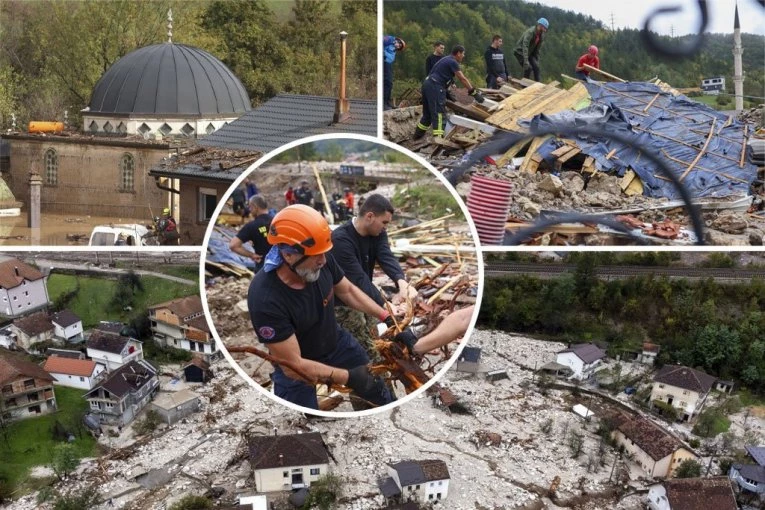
[389, 321]
[367, 386]
[476, 95]
[407, 339]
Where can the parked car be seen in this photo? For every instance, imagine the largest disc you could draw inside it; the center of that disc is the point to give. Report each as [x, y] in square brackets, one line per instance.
[629, 390]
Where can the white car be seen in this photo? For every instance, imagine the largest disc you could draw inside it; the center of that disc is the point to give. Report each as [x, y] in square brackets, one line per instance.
[123, 235]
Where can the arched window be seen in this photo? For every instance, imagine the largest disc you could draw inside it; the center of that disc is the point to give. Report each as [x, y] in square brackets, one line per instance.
[127, 172]
[51, 167]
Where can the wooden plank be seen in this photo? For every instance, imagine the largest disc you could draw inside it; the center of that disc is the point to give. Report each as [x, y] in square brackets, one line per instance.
[611, 154]
[631, 183]
[743, 146]
[535, 144]
[468, 110]
[560, 151]
[681, 142]
[701, 152]
[651, 103]
[330, 216]
[533, 166]
[507, 89]
[554, 83]
[589, 165]
[570, 154]
[599, 71]
[512, 151]
[547, 100]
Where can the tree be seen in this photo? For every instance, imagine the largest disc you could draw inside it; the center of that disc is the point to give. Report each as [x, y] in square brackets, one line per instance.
[192, 502]
[688, 469]
[64, 460]
[324, 492]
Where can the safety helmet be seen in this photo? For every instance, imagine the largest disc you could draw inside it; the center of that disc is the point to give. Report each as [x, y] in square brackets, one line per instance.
[402, 43]
[543, 22]
[166, 211]
[593, 50]
[302, 228]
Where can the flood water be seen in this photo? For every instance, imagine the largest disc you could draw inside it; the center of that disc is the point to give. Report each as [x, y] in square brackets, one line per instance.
[56, 230]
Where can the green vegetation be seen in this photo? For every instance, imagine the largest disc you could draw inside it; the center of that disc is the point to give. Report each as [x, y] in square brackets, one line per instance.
[77, 501]
[155, 352]
[472, 24]
[668, 411]
[149, 423]
[324, 492]
[688, 469]
[64, 460]
[32, 443]
[93, 302]
[711, 422]
[191, 502]
[428, 202]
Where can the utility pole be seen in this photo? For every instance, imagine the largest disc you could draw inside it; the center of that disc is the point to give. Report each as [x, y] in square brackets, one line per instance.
[616, 458]
[612, 22]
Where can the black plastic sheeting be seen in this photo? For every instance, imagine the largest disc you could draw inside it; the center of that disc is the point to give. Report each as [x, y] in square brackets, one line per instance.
[621, 107]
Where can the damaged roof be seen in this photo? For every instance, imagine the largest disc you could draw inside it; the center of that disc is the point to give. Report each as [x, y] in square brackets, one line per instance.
[287, 450]
[207, 163]
[686, 378]
[127, 378]
[751, 472]
[589, 353]
[649, 437]
[388, 487]
[715, 493]
[413, 472]
[33, 325]
[107, 342]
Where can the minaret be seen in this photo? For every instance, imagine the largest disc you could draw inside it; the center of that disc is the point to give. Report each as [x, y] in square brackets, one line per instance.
[738, 72]
[170, 26]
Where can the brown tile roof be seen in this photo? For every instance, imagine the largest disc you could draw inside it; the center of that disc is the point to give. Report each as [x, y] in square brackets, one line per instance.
[649, 437]
[8, 277]
[182, 307]
[413, 472]
[129, 377]
[288, 450]
[64, 318]
[13, 366]
[199, 323]
[108, 342]
[686, 378]
[649, 347]
[34, 324]
[198, 362]
[59, 365]
[588, 353]
[714, 493]
[110, 327]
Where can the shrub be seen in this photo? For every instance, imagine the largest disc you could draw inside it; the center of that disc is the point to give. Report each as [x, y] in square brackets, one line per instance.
[666, 410]
[324, 492]
[688, 469]
[191, 502]
[86, 499]
[149, 424]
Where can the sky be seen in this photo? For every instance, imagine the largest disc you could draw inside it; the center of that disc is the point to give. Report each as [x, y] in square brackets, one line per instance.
[632, 14]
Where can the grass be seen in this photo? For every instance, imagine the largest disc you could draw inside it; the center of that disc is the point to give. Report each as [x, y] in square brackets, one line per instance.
[750, 399]
[91, 304]
[31, 440]
[427, 202]
[187, 272]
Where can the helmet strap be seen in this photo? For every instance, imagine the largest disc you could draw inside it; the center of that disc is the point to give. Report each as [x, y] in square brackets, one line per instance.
[294, 266]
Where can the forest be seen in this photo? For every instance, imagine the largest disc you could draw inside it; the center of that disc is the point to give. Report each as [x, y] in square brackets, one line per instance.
[622, 53]
[716, 327]
[52, 52]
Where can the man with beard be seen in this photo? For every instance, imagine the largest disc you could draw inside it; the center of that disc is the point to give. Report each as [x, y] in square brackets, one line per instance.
[292, 308]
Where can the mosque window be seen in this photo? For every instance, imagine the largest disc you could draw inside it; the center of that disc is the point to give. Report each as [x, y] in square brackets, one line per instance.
[93, 127]
[122, 128]
[108, 127]
[127, 172]
[51, 167]
[187, 130]
[165, 129]
[210, 129]
[144, 129]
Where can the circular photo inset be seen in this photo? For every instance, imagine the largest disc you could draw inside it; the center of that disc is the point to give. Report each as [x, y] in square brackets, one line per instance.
[340, 275]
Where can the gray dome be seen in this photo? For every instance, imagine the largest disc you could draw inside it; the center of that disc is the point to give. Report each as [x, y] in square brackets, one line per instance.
[169, 79]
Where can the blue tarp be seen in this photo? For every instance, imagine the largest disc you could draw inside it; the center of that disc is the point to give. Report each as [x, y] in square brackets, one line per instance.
[218, 250]
[675, 129]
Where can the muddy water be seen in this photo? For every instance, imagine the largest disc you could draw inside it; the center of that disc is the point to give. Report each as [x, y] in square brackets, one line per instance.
[55, 229]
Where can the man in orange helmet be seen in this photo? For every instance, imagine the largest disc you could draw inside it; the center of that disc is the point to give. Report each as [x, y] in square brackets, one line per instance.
[291, 303]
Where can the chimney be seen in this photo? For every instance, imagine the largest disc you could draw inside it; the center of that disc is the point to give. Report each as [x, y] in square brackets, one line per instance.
[281, 459]
[276, 431]
[16, 269]
[342, 108]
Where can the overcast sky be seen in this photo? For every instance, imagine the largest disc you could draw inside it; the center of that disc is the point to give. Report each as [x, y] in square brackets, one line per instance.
[632, 14]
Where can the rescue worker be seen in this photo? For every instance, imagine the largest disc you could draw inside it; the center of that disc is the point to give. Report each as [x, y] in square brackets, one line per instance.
[292, 309]
[528, 48]
[391, 46]
[289, 196]
[349, 199]
[254, 232]
[434, 89]
[167, 229]
[496, 66]
[591, 59]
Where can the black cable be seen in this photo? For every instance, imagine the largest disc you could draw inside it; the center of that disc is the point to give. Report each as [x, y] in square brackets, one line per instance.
[675, 52]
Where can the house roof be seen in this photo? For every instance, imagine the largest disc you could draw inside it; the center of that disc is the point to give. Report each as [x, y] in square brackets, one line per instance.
[199, 323]
[34, 324]
[182, 307]
[751, 472]
[65, 353]
[412, 472]
[589, 353]
[287, 450]
[198, 362]
[8, 277]
[757, 453]
[288, 117]
[714, 493]
[388, 487]
[212, 164]
[111, 327]
[127, 378]
[69, 366]
[471, 354]
[685, 377]
[13, 366]
[107, 342]
[64, 318]
[649, 437]
[171, 400]
[649, 347]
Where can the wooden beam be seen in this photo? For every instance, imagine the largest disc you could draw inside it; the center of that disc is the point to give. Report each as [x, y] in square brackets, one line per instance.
[701, 153]
[660, 135]
[324, 195]
[468, 110]
[743, 146]
[512, 151]
[651, 103]
[599, 71]
[535, 144]
[685, 163]
[611, 154]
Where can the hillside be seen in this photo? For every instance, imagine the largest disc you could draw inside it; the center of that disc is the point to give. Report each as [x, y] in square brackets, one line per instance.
[473, 23]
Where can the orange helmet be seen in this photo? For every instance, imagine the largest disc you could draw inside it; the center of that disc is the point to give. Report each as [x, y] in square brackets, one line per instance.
[302, 228]
[402, 44]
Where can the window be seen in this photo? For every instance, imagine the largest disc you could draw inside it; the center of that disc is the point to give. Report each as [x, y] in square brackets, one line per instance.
[210, 129]
[121, 128]
[144, 130]
[35, 410]
[94, 405]
[109, 405]
[82, 379]
[51, 167]
[430, 496]
[165, 129]
[314, 471]
[286, 474]
[7, 389]
[440, 483]
[127, 172]
[29, 383]
[418, 487]
[208, 201]
[11, 402]
[683, 404]
[187, 130]
[108, 127]
[93, 127]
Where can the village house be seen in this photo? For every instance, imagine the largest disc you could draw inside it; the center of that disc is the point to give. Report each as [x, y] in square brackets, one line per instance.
[67, 326]
[648, 354]
[121, 396]
[582, 359]
[176, 405]
[22, 288]
[654, 449]
[418, 480]
[286, 462]
[65, 353]
[181, 324]
[113, 350]
[683, 388]
[26, 389]
[751, 477]
[75, 373]
[197, 370]
[33, 329]
[713, 493]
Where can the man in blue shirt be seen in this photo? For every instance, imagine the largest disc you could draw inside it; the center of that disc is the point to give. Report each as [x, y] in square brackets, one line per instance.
[434, 92]
[391, 46]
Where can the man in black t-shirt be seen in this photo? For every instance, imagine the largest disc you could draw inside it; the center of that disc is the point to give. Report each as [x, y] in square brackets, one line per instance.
[254, 232]
[303, 194]
[291, 304]
[438, 54]
[496, 66]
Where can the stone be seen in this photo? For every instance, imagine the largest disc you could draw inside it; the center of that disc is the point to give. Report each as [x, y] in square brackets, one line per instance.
[551, 184]
[529, 207]
[572, 182]
[601, 182]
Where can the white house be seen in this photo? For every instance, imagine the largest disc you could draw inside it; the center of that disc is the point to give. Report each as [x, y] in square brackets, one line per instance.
[181, 323]
[286, 462]
[32, 329]
[419, 480]
[582, 359]
[75, 373]
[120, 397]
[113, 350]
[649, 353]
[176, 405]
[22, 288]
[751, 477]
[713, 493]
[67, 326]
[683, 388]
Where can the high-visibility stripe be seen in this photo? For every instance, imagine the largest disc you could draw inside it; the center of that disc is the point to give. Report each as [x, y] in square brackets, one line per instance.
[439, 129]
[424, 128]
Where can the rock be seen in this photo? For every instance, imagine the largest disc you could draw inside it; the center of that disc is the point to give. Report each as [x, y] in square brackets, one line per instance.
[601, 182]
[463, 188]
[572, 182]
[755, 238]
[551, 184]
[528, 207]
[730, 223]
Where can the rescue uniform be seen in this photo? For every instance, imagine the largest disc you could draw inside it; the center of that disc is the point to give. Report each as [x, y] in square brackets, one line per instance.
[434, 95]
[256, 231]
[389, 55]
[431, 61]
[496, 66]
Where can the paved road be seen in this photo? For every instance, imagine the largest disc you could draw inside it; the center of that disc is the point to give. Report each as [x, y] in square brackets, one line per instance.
[46, 265]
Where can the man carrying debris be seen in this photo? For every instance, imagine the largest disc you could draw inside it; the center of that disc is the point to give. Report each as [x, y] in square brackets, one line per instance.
[167, 229]
[254, 232]
[496, 66]
[391, 46]
[438, 54]
[591, 59]
[434, 89]
[452, 327]
[304, 195]
[291, 305]
[528, 48]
